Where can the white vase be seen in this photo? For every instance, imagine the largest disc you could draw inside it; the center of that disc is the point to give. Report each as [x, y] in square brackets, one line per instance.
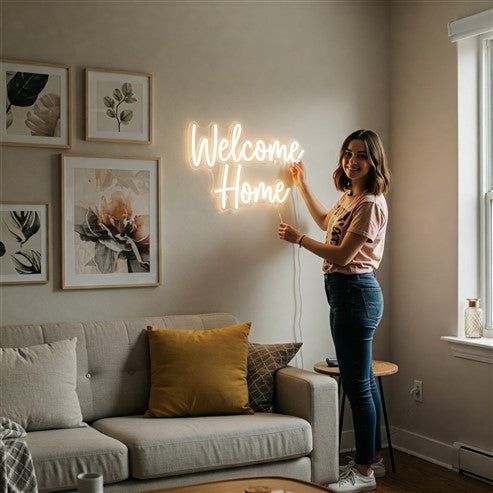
[90, 482]
[473, 326]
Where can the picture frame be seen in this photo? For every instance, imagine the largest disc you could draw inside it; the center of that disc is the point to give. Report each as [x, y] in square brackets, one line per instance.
[38, 98]
[111, 216]
[118, 106]
[25, 237]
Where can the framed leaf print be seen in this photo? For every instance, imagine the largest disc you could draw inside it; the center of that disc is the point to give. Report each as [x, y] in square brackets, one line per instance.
[118, 106]
[36, 100]
[24, 242]
[110, 221]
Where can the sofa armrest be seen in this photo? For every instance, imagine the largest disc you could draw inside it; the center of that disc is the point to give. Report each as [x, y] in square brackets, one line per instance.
[313, 397]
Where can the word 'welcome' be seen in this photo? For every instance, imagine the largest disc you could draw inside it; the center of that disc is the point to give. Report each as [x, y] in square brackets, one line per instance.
[235, 151]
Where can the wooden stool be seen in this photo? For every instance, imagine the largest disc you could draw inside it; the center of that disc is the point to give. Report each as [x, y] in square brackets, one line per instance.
[380, 369]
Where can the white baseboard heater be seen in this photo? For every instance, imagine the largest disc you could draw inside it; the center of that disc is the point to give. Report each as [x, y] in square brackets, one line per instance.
[473, 461]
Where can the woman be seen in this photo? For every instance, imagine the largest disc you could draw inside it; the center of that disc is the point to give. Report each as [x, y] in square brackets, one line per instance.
[352, 251]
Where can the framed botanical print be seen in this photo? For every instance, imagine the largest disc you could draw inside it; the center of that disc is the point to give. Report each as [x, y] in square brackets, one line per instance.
[37, 102]
[118, 106]
[110, 221]
[24, 242]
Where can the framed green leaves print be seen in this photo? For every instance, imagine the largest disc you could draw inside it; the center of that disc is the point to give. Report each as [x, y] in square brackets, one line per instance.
[110, 221]
[36, 98]
[118, 106]
[24, 242]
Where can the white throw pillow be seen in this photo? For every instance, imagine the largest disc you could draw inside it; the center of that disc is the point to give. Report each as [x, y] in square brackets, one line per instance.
[37, 386]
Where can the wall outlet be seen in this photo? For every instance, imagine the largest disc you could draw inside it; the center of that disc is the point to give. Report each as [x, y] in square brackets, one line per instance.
[418, 391]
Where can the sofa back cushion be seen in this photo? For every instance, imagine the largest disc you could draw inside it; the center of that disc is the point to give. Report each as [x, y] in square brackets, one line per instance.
[112, 357]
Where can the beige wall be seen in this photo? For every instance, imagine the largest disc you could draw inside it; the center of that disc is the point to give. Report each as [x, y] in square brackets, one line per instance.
[308, 70]
[284, 69]
[423, 260]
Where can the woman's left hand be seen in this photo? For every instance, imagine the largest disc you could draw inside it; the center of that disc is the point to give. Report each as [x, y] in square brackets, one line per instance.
[288, 233]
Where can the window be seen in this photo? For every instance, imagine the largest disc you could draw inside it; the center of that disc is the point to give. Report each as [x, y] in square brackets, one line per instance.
[473, 37]
[487, 179]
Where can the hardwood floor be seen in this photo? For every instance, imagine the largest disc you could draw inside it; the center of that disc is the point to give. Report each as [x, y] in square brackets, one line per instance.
[414, 475]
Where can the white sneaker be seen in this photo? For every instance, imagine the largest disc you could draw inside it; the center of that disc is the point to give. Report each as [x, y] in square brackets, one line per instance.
[377, 467]
[351, 481]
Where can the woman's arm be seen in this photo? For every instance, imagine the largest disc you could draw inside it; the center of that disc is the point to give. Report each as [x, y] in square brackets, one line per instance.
[336, 254]
[318, 212]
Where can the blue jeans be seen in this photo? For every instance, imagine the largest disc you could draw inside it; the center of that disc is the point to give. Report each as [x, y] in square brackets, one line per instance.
[356, 308]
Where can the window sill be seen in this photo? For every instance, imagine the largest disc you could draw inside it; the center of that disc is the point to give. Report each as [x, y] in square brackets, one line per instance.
[475, 349]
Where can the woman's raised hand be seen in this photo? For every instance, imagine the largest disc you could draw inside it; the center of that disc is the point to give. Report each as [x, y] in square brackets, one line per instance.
[297, 172]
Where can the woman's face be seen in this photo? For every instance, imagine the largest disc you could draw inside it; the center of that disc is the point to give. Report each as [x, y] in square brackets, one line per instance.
[355, 161]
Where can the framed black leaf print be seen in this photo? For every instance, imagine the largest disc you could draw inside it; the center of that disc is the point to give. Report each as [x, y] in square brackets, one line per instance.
[36, 102]
[24, 242]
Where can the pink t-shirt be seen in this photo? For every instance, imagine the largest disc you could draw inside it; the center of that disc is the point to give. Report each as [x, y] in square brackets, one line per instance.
[365, 215]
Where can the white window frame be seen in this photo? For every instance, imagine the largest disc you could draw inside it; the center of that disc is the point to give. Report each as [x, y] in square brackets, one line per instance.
[471, 37]
[486, 185]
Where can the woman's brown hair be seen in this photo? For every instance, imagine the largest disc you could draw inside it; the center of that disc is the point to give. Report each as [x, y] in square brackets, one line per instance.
[378, 180]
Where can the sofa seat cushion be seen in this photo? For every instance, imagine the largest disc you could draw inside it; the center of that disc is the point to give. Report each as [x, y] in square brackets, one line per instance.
[172, 446]
[59, 455]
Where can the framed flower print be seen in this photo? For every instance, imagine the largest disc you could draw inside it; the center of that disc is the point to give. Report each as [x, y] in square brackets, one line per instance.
[118, 106]
[24, 242]
[110, 221]
[36, 98]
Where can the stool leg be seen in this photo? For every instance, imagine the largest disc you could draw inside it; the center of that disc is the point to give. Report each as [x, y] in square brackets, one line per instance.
[391, 451]
[341, 413]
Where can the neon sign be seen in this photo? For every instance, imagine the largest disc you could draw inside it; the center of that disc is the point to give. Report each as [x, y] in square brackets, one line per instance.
[233, 151]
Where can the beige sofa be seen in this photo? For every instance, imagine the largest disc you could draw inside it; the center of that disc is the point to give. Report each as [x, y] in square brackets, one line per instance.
[136, 454]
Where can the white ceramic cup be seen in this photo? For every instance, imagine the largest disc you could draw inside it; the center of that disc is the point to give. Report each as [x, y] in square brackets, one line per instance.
[90, 482]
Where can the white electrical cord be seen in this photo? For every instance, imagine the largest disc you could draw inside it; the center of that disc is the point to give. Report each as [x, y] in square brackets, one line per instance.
[298, 298]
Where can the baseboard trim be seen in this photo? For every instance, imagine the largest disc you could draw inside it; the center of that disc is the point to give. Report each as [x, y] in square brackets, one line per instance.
[426, 448]
[411, 443]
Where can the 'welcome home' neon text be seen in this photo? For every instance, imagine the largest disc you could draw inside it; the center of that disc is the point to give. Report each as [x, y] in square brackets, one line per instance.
[232, 150]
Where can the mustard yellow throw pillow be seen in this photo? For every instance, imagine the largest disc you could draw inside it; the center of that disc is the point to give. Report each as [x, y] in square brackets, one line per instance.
[198, 372]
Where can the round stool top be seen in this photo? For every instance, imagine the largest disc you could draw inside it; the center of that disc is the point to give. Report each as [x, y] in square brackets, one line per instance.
[380, 368]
